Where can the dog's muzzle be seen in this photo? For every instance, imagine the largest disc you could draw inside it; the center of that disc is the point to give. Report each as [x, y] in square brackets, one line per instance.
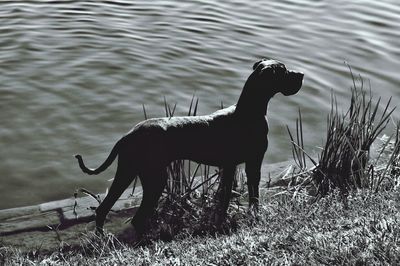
[292, 82]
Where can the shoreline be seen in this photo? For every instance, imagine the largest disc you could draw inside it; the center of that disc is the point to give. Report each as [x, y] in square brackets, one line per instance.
[48, 225]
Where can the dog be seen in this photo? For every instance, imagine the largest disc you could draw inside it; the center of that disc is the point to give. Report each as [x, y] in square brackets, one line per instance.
[225, 138]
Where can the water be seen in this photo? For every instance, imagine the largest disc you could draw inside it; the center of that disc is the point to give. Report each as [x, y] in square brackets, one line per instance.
[74, 74]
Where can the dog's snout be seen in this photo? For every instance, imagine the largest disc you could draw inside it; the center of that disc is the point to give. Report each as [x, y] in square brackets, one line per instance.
[292, 82]
[295, 74]
[299, 75]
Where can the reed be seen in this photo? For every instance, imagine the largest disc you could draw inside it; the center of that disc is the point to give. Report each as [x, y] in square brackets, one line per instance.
[395, 158]
[388, 172]
[344, 162]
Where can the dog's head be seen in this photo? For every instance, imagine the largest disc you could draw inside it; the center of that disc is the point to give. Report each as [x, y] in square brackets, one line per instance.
[275, 75]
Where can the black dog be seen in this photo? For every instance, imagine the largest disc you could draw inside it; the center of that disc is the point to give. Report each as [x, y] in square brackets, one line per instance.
[226, 138]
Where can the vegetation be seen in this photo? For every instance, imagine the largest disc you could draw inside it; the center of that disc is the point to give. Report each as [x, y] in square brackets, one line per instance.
[286, 231]
[345, 162]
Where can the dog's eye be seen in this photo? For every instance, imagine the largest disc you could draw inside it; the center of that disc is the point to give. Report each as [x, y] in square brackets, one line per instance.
[280, 71]
[256, 64]
[279, 68]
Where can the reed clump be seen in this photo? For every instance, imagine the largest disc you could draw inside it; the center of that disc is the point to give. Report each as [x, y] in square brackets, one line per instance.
[345, 161]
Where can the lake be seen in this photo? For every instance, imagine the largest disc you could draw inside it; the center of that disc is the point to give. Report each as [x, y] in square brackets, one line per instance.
[74, 74]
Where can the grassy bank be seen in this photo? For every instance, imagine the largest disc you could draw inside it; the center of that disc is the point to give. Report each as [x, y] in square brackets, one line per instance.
[365, 230]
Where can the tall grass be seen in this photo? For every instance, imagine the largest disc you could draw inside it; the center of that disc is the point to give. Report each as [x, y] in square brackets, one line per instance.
[389, 171]
[395, 158]
[344, 162]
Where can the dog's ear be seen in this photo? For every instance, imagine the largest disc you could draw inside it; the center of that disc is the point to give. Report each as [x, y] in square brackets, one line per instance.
[257, 63]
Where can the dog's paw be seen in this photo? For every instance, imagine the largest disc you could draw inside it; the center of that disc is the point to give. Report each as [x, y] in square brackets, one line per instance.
[217, 218]
[99, 231]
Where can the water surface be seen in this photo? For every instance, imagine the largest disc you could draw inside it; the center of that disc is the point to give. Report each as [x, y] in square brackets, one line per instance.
[74, 74]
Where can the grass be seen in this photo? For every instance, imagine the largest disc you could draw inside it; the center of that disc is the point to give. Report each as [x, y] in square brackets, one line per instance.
[365, 231]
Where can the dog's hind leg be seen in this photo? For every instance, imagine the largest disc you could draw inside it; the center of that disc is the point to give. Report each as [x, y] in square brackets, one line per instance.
[123, 178]
[225, 189]
[153, 183]
[224, 193]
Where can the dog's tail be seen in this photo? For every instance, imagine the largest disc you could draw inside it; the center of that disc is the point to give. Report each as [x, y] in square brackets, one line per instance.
[110, 159]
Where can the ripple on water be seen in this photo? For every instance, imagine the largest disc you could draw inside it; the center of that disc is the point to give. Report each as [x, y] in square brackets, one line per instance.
[74, 74]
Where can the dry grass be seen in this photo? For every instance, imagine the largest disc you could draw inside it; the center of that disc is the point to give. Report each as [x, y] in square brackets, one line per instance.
[286, 232]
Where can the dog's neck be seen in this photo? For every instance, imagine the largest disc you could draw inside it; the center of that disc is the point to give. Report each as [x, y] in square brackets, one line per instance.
[250, 103]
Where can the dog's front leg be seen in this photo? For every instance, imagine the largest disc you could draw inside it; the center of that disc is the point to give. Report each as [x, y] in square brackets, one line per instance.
[253, 172]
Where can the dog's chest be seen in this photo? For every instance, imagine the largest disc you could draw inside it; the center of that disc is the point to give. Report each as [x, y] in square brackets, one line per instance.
[219, 142]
